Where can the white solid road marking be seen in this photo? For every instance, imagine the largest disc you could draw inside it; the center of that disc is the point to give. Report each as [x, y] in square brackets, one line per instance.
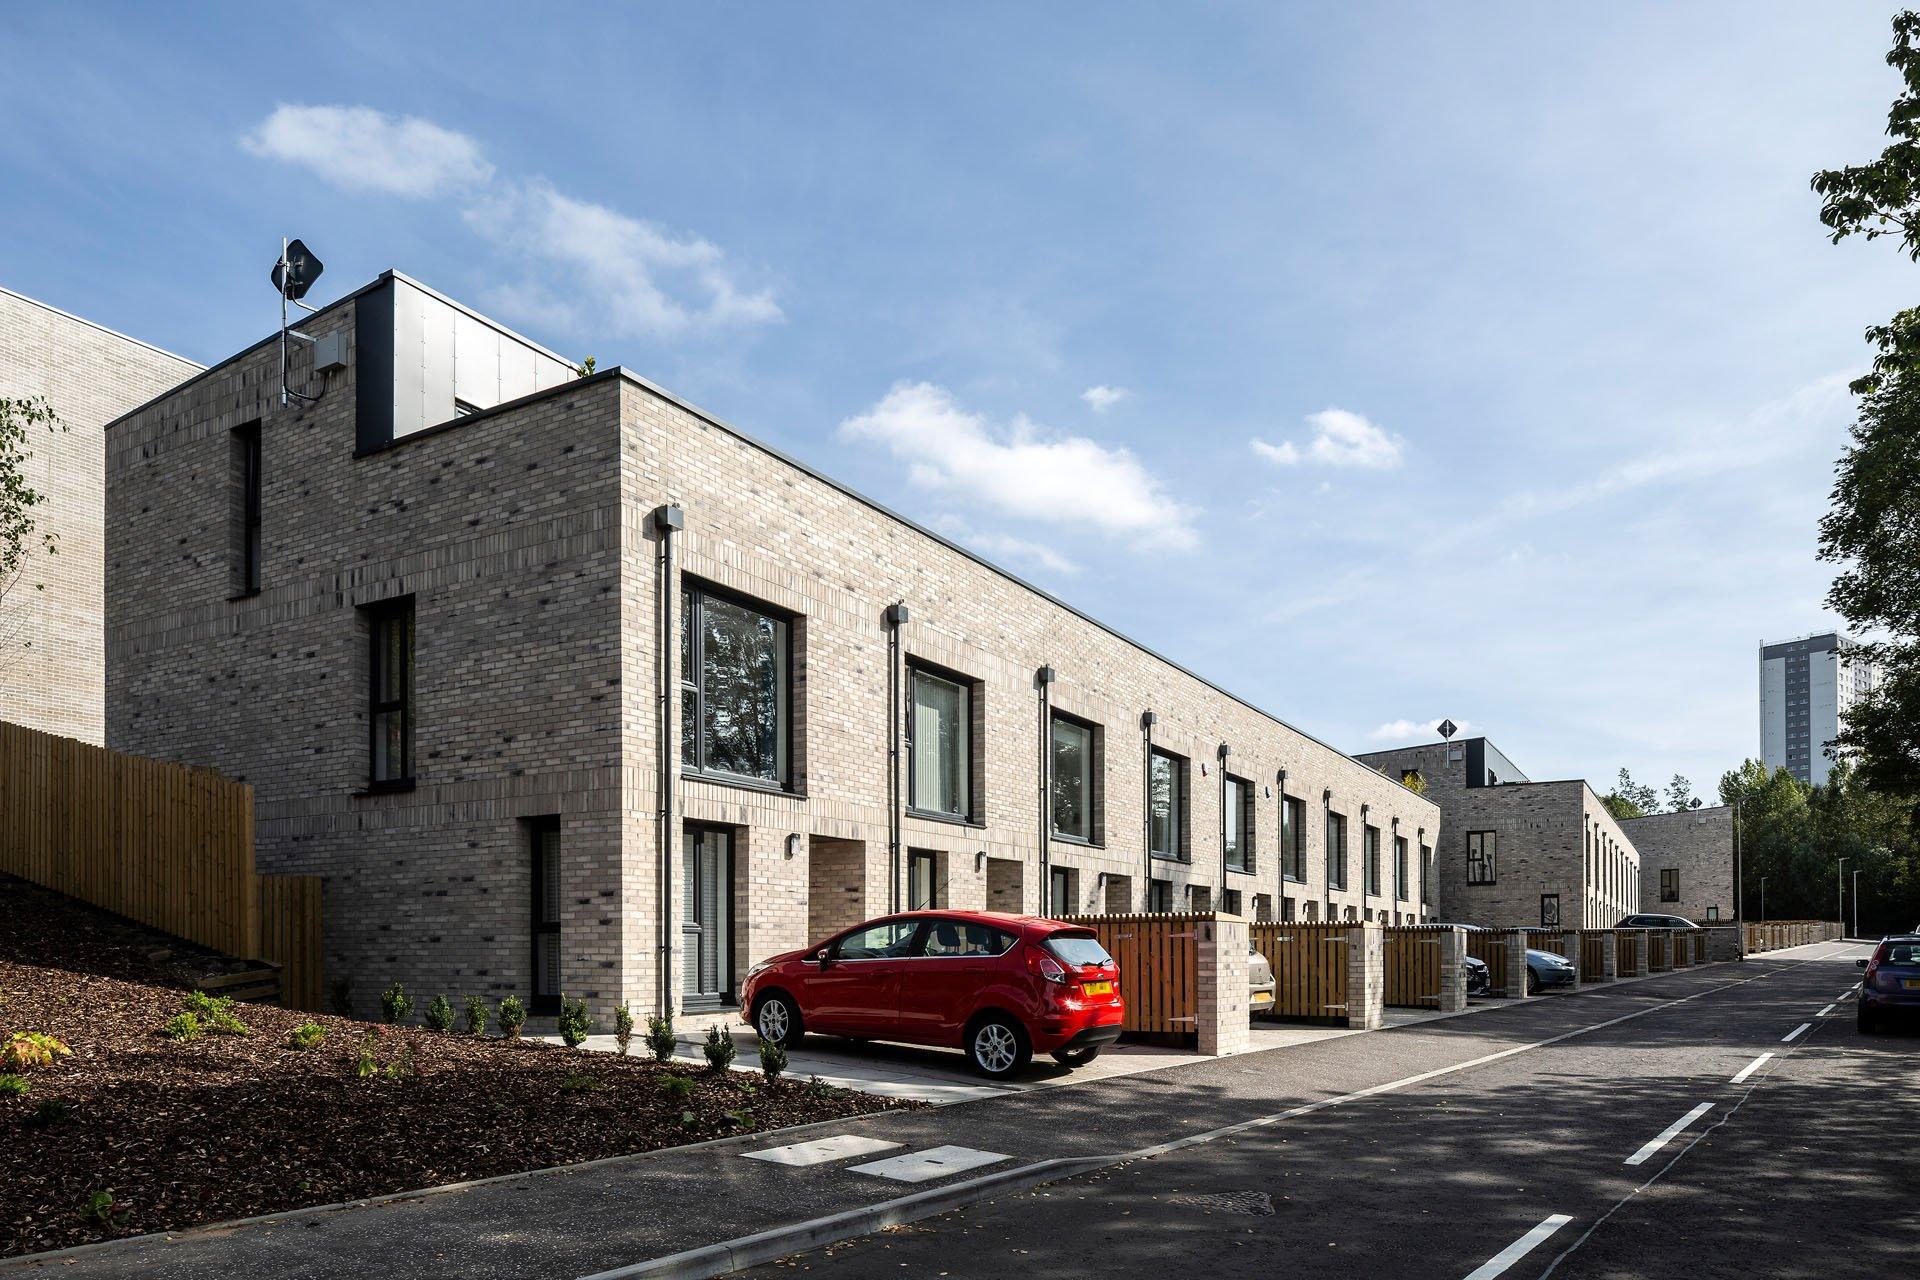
[1669, 1133]
[1752, 1067]
[935, 1162]
[840, 1146]
[1796, 1032]
[1520, 1248]
[1829, 1009]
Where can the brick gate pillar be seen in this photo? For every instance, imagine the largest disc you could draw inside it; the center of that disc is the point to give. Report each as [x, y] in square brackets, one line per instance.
[1366, 977]
[1609, 956]
[1221, 1018]
[1516, 974]
[1453, 968]
[1570, 948]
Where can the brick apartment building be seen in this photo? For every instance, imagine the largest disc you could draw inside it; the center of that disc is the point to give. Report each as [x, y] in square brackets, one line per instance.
[1686, 860]
[1518, 852]
[513, 657]
[52, 643]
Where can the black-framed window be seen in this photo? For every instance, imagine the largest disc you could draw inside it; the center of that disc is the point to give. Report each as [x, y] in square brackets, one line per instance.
[390, 679]
[1549, 911]
[925, 890]
[736, 699]
[1400, 868]
[247, 479]
[1236, 822]
[1669, 884]
[939, 744]
[1159, 895]
[1293, 838]
[1076, 758]
[1166, 805]
[543, 838]
[1426, 875]
[1230, 901]
[1286, 910]
[1336, 850]
[1482, 861]
[1370, 847]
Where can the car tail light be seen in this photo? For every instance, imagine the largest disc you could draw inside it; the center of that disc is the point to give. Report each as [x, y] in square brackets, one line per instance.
[1046, 966]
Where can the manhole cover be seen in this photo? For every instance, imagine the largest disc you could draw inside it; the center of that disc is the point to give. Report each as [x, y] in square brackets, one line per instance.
[1255, 1204]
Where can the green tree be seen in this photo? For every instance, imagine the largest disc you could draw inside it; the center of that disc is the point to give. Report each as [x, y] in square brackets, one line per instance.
[1680, 794]
[1630, 800]
[20, 532]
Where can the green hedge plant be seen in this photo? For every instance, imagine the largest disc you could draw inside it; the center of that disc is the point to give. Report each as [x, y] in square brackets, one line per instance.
[476, 1016]
[660, 1038]
[513, 1016]
[440, 1013]
[573, 1021]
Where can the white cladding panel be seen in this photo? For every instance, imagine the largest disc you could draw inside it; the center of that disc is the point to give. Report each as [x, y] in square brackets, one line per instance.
[442, 354]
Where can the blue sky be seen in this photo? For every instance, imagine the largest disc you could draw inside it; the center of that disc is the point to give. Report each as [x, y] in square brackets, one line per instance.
[1382, 363]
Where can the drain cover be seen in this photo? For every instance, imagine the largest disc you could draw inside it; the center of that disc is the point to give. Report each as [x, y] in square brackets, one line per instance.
[1255, 1204]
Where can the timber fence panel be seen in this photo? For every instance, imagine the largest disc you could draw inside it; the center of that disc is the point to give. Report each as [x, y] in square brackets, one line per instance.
[1309, 960]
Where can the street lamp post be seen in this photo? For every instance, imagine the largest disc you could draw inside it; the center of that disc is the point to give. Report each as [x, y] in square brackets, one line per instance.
[1856, 902]
[1763, 899]
[1841, 919]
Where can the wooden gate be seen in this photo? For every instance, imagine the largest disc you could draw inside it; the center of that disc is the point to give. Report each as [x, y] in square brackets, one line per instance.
[1593, 954]
[1491, 947]
[1309, 962]
[1412, 955]
[1659, 950]
[1159, 967]
[290, 936]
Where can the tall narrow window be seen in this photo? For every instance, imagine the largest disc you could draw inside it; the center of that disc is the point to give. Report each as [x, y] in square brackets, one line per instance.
[1426, 875]
[923, 881]
[1400, 868]
[1669, 884]
[1481, 861]
[390, 693]
[544, 835]
[1550, 911]
[1293, 837]
[244, 452]
[1072, 778]
[1236, 829]
[1159, 895]
[1370, 840]
[1336, 851]
[1167, 803]
[735, 718]
[939, 746]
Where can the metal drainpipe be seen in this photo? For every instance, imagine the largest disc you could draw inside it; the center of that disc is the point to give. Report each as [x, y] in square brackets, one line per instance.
[1225, 751]
[1044, 678]
[1326, 822]
[1365, 810]
[897, 616]
[1280, 889]
[666, 520]
[1147, 721]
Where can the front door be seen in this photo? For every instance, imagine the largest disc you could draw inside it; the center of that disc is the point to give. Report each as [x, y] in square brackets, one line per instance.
[706, 922]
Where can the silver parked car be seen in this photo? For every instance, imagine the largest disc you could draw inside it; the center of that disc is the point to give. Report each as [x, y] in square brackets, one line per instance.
[1260, 981]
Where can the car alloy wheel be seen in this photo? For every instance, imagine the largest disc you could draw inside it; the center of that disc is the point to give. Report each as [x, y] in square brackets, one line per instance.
[1533, 984]
[776, 1020]
[997, 1047]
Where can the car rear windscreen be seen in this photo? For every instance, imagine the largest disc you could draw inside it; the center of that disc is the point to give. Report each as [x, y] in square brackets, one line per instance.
[1901, 953]
[1078, 948]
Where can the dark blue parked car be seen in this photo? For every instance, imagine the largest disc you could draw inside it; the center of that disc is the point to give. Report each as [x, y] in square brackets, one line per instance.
[1891, 983]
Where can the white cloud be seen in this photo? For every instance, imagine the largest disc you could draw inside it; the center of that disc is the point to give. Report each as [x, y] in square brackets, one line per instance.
[1340, 439]
[585, 268]
[1003, 546]
[1414, 730]
[1020, 470]
[603, 269]
[361, 149]
[1102, 398]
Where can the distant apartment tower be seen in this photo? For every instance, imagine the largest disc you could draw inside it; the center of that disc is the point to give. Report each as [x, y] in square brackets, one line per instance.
[1806, 688]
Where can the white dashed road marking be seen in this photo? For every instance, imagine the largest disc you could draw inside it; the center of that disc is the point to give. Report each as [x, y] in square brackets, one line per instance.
[924, 1166]
[1520, 1248]
[1669, 1133]
[1752, 1067]
[1796, 1033]
[840, 1146]
[1829, 1009]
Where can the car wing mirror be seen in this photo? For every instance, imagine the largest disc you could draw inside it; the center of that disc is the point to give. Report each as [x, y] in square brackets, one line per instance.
[1860, 964]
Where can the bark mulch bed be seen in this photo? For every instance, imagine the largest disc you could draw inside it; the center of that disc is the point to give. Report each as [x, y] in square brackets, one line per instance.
[180, 1133]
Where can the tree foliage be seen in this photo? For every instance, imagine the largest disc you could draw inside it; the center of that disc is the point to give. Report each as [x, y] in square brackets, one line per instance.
[20, 532]
[1628, 799]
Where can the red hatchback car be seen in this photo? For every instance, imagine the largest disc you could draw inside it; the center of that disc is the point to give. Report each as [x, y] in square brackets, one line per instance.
[1001, 987]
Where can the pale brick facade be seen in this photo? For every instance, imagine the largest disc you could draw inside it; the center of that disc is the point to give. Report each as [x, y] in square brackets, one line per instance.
[1689, 853]
[1540, 844]
[52, 649]
[524, 535]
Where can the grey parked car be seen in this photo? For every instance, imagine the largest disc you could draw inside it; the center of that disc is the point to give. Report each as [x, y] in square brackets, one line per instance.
[1656, 921]
[1260, 982]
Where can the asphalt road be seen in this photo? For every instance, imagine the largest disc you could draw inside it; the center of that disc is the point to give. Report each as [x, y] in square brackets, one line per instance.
[1805, 1167]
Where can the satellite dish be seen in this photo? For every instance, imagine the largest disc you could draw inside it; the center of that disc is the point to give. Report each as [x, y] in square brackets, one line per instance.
[296, 270]
[1447, 727]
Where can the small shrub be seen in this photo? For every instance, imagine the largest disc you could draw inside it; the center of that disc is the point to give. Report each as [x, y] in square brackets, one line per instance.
[402, 1067]
[476, 1016]
[100, 1208]
[202, 1005]
[307, 1035]
[12, 1086]
[623, 1028]
[182, 1026]
[51, 1112]
[580, 1082]
[31, 1049]
[340, 995]
[574, 1022]
[215, 1013]
[718, 1048]
[440, 1013]
[661, 1041]
[366, 1063]
[513, 1016]
[395, 1004]
[677, 1087]
[773, 1059]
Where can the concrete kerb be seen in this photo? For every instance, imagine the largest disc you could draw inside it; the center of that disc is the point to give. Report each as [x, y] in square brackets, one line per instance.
[1044, 1171]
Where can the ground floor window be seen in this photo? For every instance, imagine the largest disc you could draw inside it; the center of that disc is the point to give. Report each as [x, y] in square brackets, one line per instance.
[1159, 895]
[925, 892]
[1286, 909]
[544, 837]
[1060, 894]
[1230, 901]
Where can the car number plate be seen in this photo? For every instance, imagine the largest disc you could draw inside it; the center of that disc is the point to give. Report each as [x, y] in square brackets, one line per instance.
[1911, 984]
[1097, 988]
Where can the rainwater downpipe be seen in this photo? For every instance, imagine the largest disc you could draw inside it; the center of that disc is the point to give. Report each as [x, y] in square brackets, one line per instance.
[897, 616]
[1043, 679]
[667, 520]
[1220, 901]
[1147, 721]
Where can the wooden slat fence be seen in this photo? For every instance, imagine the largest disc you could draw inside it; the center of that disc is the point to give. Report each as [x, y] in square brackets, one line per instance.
[1159, 967]
[166, 845]
[1411, 955]
[1659, 950]
[1593, 954]
[1492, 948]
[1309, 960]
